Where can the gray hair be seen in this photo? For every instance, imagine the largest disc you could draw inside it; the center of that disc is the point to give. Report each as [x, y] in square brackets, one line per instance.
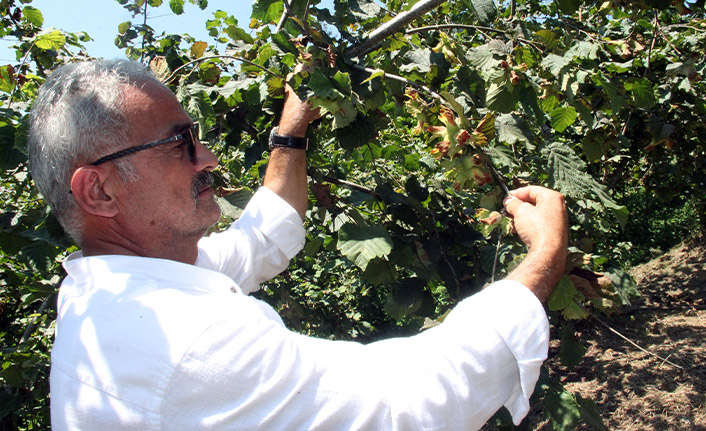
[78, 117]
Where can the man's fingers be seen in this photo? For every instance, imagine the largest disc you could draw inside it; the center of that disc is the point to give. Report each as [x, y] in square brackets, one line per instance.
[512, 204]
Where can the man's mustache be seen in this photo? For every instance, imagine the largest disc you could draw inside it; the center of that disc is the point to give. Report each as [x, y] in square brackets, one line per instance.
[202, 180]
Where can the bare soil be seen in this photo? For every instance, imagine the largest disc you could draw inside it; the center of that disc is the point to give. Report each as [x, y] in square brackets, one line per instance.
[635, 390]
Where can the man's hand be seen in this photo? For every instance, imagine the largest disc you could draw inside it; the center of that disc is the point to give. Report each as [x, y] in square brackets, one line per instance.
[297, 114]
[286, 171]
[541, 221]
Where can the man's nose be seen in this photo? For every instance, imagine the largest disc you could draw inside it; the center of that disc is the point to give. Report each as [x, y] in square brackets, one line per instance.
[204, 159]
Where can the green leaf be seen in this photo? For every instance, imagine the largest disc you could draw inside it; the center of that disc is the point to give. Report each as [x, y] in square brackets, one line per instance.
[7, 79]
[379, 272]
[419, 59]
[561, 118]
[555, 64]
[571, 351]
[590, 413]
[574, 312]
[364, 10]
[549, 39]
[512, 129]
[361, 244]
[563, 295]
[53, 40]
[616, 101]
[177, 6]
[322, 86]
[592, 144]
[623, 284]
[378, 73]
[343, 111]
[267, 11]
[123, 27]
[200, 107]
[568, 175]
[562, 410]
[483, 59]
[485, 10]
[406, 296]
[33, 16]
[344, 82]
[569, 6]
[237, 33]
[358, 133]
[642, 93]
[583, 49]
[233, 204]
[501, 99]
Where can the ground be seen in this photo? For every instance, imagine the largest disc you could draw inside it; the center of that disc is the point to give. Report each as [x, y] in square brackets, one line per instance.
[635, 390]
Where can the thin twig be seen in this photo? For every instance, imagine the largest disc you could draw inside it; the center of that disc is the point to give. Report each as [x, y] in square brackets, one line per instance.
[349, 185]
[669, 27]
[661, 31]
[306, 11]
[403, 80]
[209, 57]
[443, 254]
[460, 26]
[144, 35]
[652, 45]
[579, 29]
[611, 329]
[497, 255]
[19, 69]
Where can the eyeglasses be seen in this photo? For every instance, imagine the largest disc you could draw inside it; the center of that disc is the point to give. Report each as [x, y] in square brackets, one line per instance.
[187, 136]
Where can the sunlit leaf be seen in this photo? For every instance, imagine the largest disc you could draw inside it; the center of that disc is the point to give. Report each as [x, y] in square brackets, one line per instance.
[563, 118]
[33, 16]
[177, 6]
[53, 40]
[361, 244]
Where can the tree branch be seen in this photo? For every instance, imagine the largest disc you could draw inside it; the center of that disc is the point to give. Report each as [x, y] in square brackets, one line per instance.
[379, 34]
[210, 57]
[442, 26]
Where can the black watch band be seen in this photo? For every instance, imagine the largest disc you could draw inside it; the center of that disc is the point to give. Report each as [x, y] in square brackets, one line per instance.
[277, 141]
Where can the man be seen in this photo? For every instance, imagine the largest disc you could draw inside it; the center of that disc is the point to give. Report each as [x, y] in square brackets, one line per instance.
[155, 329]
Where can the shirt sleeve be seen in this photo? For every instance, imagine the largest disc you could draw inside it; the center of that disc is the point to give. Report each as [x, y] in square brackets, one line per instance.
[251, 373]
[259, 245]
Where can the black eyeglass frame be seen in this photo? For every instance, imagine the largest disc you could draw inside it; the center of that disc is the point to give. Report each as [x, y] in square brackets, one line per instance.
[188, 136]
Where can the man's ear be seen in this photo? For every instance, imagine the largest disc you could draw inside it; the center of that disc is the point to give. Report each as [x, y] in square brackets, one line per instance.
[89, 191]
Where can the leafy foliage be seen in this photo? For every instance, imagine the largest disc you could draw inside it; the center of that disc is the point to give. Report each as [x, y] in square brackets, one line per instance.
[597, 99]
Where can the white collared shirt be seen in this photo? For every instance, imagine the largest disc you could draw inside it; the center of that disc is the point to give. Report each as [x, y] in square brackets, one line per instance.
[153, 344]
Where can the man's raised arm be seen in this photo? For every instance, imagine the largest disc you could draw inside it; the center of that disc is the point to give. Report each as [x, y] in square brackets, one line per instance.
[286, 171]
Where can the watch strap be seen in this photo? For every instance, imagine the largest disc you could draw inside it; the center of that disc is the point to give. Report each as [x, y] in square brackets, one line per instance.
[280, 141]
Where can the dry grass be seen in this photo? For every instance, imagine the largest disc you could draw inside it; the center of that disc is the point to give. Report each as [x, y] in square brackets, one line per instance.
[636, 391]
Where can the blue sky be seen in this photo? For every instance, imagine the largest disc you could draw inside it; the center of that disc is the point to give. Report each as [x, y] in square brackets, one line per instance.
[100, 19]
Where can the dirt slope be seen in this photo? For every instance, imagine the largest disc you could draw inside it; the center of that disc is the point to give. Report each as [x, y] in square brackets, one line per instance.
[634, 390]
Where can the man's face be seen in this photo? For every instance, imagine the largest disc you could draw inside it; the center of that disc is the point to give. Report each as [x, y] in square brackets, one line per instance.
[171, 204]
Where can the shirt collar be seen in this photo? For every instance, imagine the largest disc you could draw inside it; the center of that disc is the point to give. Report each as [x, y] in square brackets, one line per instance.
[86, 269]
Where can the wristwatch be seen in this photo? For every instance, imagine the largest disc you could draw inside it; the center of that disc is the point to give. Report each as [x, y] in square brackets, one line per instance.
[287, 141]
